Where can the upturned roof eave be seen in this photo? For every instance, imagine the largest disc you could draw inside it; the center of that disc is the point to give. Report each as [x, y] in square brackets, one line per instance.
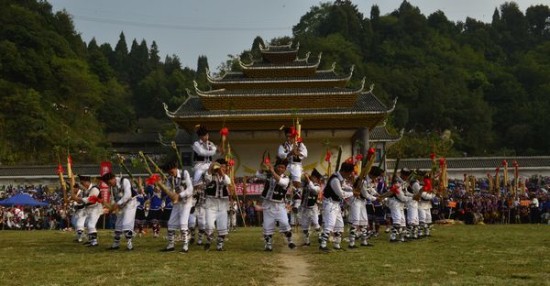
[220, 93]
[267, 114]
[222, 80]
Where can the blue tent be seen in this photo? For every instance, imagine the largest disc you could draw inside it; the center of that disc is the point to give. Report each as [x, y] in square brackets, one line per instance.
[22, 200]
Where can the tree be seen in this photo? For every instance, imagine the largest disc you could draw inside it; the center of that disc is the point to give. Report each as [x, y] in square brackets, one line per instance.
[120, 58]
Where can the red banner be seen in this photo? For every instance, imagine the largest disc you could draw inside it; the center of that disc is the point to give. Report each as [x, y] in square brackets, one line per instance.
[251, 189]
[105, 168]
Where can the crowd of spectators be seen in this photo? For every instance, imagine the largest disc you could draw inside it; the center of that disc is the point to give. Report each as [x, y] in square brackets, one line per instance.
[529, 204]
[54, 216]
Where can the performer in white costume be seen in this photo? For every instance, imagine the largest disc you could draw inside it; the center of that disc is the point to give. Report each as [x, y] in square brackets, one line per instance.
[295, 151]
[179, 181]
[358, 208]
[274, 210]
[309, 212]
[336, 190]
[125, 206]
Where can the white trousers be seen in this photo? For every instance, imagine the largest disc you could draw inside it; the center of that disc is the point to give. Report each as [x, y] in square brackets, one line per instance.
[126, 217]
[216, 215]
[332, 216]
[179, 217]
[295, 170]
[424, 215]
[80, 216]
[309, 217]
[358, 212]
[94, 212]
[198, 171]
[397, 212]
[412, 212]
[274, 212]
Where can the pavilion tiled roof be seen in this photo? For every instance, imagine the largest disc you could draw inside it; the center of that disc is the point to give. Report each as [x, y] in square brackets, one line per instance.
[278, 88]
[274, 98]
[321, 78]
[280, 53]
[367, 111]
[279, 69]
[381, 134]
[279, 48]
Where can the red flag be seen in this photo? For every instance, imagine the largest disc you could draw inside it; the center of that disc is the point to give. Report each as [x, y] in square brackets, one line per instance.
[224, 131]
[395, 189]
[327, 156]
[153, 179]
[427, 185]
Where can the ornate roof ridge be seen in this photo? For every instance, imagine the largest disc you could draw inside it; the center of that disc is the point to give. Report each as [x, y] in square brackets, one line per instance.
[171, 114]
[241, 78]
[306, 65]
[358, 108]
[280, 48]
[380, 134]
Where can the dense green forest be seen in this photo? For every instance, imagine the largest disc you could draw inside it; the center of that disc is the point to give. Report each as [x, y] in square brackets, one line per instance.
[467, 87]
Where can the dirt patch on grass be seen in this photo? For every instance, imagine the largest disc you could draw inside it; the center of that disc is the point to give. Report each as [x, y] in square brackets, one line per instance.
[295, 269]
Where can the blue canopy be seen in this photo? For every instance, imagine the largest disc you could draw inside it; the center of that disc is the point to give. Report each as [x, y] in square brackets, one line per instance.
[22, 200]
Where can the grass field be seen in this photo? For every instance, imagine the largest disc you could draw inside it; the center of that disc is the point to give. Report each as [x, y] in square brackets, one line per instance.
[454, 255]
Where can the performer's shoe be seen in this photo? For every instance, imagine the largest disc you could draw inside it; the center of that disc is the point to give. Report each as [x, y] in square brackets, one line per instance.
[367, 244]
[394, 240]
[117, 247]
[268, 248]
[184, 250]
[352, 246]
[325, 249]
[168, 249]
[92, 245]
[291, 245]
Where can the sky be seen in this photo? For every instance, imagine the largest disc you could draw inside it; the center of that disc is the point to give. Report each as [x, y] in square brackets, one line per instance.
[220, 28]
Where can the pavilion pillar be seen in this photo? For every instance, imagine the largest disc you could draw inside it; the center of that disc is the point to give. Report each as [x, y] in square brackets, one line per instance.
[364, 137]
